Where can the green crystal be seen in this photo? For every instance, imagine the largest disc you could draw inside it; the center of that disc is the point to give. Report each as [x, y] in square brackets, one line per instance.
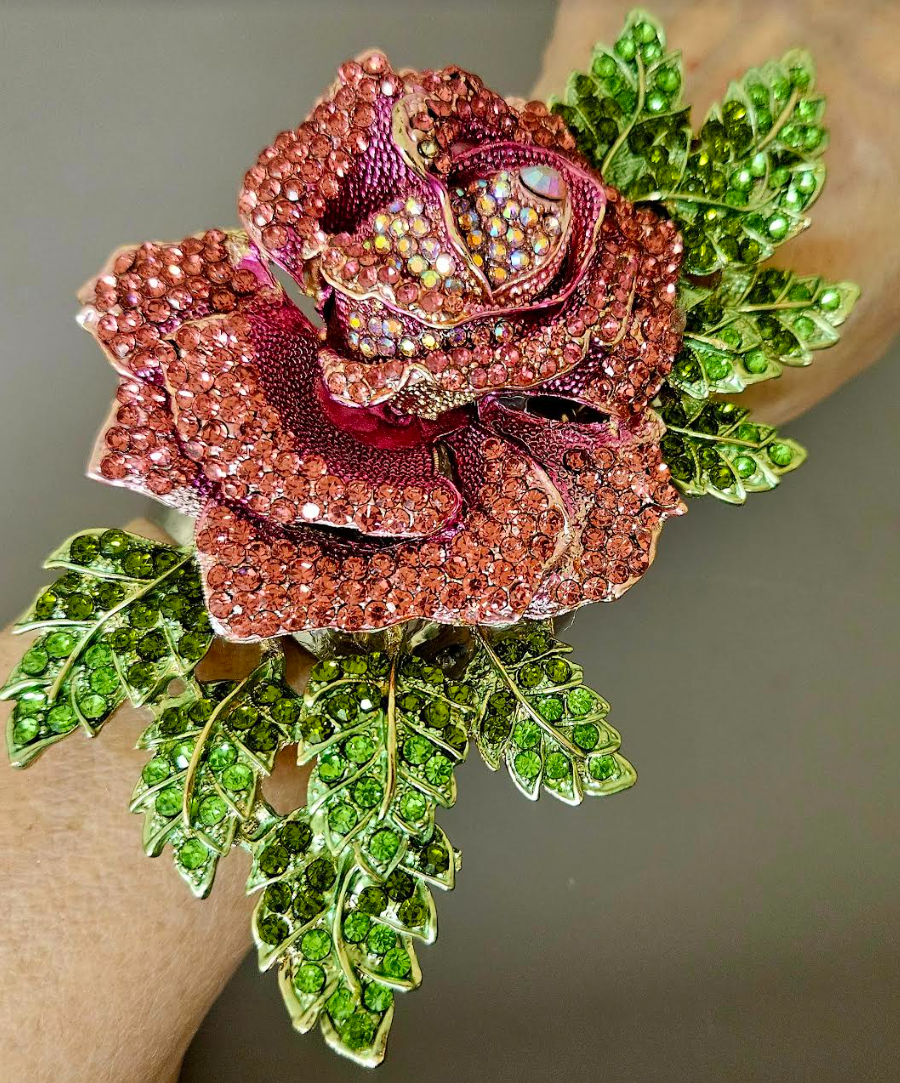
[309, 979]
[372, 900]
[138, 564]
[380, 940]
[531, 675]
[35, 661]
[340, 1005]
[527, 734]
[437, 857]
[325, 672]
[557, 669]
[399, 885]
[377, 997]
[359, 1030]
[586, 735]
[439, 770]
[274, 859]
[321, 874]
[331, 766]
[272, 929]
[212, 811]
[556, 765]
[367, 792]
[59, 644]
[550, 708]
[356, 927]
[412, 913]
[45, 606]
[780, 454]
[383, 845]
[78, 607]
[396, 964]
[193, 854]
[580, 701]
[307, 904]
[237, 777]
[413, 806]
[156, 770]
[243, 717]
[602, 768]
[168, 802]
[278, 897]
[62, 718]
[26, 730]
[105, 681]
[342, 818]
[296, 837]
[437, 714]
[114, 543]
[528, 764]
[222, 755]
[315, 944]
[416, 750]
[98, 655]
[359, 748]
[84, 549]
[262, 738]
[93, 707]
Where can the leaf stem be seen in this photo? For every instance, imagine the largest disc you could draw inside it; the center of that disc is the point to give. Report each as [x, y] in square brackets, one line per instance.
[756, 445]
[390, 742]
[626, 131]
[780, 123]
[336, 923]
[193, 765]
[553, 733]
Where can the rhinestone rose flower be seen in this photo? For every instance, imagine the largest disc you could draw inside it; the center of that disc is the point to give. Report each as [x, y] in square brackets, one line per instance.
[467, 436]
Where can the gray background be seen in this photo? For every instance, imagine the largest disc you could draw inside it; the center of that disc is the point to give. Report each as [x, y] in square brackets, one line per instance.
[735, 917]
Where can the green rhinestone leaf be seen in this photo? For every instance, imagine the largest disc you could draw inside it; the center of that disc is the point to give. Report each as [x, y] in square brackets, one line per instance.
[626, 111]
[343, 941]
[742, 185]
[537, 715]
[207, 723]
[751, 323]
[712, 449]
[386, 738]
[386, 734]
[124, 620]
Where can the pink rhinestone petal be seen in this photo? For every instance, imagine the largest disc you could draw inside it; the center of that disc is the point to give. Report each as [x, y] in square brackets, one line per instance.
[484, 570]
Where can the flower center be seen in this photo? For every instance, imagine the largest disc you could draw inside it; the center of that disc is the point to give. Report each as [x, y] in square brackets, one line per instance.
[508, 232]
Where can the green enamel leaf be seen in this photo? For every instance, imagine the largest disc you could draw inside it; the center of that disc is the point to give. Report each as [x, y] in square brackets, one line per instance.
[125, 619]
[537, 715]
[752, 323]
[342, 938]
[713, 448]
[626, 111]
[216, 741]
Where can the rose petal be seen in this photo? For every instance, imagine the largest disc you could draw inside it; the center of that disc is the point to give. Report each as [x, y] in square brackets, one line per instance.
[485, 570]
[138, 449]
[246, 394]
[338, 165]
[145, 293]
[617, 493]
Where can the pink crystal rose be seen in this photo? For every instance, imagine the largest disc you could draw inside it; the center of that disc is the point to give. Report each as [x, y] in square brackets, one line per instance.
[468, 435]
